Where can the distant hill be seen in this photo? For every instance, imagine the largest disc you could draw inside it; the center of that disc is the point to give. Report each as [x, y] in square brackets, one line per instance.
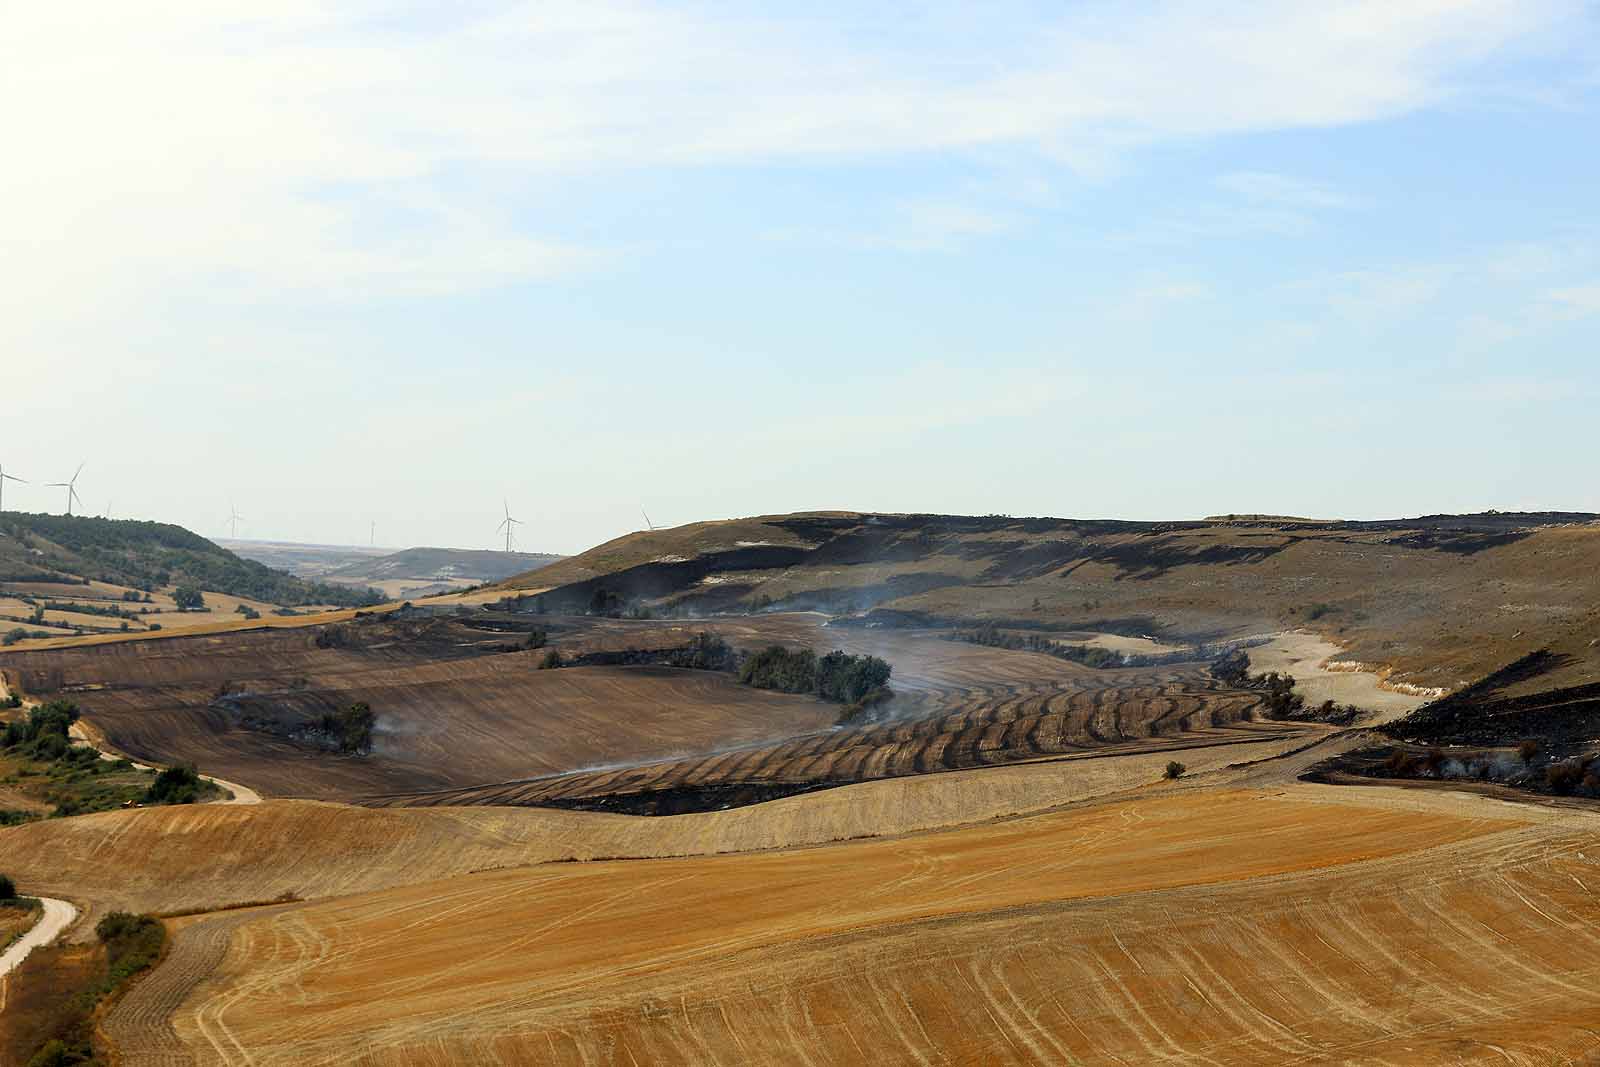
[1439, 599]
[301, 560]
[444, 564]
[148, 555]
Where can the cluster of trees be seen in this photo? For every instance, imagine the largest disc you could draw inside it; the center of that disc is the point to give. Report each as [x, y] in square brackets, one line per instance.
[837, 676]
[1277, 692]
[350, 729]
[178, 784]
[43, 735]
[188, 598]
[706, 652]
[22, 633]
[993, 637]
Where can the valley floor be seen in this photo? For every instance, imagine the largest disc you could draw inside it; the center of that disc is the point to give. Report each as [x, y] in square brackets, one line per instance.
[1049, 896]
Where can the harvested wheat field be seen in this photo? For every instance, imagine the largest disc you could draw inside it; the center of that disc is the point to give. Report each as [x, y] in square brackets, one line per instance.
[1233, 927]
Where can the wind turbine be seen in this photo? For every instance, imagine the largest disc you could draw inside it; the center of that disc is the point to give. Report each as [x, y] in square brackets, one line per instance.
[647, 521]
[233, 520]
[508, 525]
[3, 478]
[71, 486]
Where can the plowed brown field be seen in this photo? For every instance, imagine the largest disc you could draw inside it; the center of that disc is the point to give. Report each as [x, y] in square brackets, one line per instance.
[462, 721]
[1214, 927]
[453, 708]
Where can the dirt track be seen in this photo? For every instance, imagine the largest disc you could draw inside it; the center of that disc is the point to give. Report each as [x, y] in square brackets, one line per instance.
[56, 916]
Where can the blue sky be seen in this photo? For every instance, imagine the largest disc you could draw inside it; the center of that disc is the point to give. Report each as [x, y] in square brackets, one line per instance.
[394, 263]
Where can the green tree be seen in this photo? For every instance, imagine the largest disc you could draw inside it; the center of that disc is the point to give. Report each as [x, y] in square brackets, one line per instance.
[188, 598]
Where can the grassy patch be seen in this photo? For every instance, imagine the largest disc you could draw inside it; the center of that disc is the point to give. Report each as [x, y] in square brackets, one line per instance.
[45, 775]
[52, 998]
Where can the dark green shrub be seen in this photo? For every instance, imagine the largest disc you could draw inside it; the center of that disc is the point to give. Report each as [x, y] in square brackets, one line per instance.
[1175, 769]
[54, 1053]
[351, 728]
[178, 784]
[8, 888]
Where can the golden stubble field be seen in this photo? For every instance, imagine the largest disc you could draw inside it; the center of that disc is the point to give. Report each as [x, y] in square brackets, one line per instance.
[1302, 924]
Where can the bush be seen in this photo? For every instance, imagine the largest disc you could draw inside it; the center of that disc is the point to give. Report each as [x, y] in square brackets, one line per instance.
[1563, 778]
[1175, 769]
[536, 639]
[54, 1053]
[551, 661]
[8, 888]
[178, 784]
[133, 943]
[351, 728]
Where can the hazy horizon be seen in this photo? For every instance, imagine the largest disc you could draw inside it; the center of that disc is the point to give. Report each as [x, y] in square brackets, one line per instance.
[339, 264]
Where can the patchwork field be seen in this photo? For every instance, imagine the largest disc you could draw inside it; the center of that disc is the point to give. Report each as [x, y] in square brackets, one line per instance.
[1016, 858]
[462, 709]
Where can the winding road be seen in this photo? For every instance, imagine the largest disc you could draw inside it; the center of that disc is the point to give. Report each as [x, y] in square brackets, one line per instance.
[58, 915]
[241, 794]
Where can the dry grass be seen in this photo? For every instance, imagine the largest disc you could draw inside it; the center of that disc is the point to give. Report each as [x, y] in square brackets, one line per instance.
[1236, 924]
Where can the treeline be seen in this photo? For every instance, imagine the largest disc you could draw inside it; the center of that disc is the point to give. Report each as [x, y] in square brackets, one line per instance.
[148, 555]
[1277, 692]
[836, 676]
[858, 682]
[992, 636]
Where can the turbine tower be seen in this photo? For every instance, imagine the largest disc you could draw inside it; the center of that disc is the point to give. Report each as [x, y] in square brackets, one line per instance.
[508, 524]
[4, 477]
[647, 521]
[233, 520]
[71, 486]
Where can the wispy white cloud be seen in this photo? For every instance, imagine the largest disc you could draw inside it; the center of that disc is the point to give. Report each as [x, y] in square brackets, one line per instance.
[1577, 300]
[1265, 187]
[168, 140]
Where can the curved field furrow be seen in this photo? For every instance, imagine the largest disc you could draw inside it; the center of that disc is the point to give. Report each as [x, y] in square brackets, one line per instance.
[1224, 928]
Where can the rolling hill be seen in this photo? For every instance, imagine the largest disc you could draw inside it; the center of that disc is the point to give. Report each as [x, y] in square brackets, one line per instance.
[1120, 854]
[407, 574]
[1433, 602]
[62, 549]
[443, 564]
